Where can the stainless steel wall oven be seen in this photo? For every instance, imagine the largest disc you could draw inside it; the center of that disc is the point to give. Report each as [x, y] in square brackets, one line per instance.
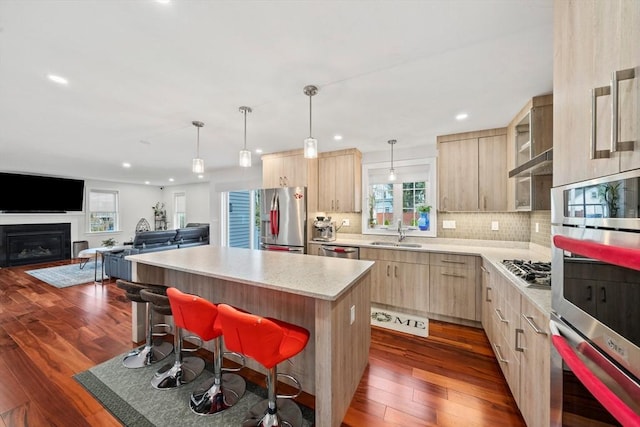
[596, 302]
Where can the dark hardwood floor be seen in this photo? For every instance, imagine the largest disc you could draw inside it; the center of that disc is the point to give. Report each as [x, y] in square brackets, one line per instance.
[47, 335]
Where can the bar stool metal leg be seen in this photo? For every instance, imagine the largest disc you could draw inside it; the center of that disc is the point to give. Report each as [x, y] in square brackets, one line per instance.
[183, 371]
[276, 410]
[221, 391]
[153, 351]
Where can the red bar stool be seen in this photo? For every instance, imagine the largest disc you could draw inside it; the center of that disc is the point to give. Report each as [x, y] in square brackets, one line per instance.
[184, 369]
[268, 341]
[154, 349]
[200, 316]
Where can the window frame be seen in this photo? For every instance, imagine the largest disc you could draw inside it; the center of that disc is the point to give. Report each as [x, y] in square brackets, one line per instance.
[89, 212]
[176, 212]
[401, 168]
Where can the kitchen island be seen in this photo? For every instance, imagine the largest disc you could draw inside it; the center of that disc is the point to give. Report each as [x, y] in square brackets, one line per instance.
[330, 297]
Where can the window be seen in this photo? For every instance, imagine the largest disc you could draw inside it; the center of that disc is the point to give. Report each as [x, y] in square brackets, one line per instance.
[179, 210]
[103, 211]
[410, 199]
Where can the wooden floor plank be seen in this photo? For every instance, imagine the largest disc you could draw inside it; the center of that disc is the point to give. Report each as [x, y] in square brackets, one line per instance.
[47, 335]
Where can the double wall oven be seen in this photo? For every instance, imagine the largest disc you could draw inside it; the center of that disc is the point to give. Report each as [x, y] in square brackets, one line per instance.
[595, 323]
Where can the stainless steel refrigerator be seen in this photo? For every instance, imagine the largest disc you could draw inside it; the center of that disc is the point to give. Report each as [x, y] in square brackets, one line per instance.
[283, 219]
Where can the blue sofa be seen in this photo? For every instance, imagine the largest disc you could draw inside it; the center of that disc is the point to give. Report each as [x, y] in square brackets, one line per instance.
[194, 234]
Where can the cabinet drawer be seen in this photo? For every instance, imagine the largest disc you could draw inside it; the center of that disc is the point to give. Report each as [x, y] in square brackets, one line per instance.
[453, 292]
[454, 260]
[399, 255]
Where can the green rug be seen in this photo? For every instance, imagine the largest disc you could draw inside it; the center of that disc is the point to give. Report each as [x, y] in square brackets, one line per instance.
[129, 396]
[67, 275]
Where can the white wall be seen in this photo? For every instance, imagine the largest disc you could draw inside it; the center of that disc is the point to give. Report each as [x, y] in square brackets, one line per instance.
[136, 201]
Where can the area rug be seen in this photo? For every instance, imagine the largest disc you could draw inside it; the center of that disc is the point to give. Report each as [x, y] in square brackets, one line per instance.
[129, 396]
[67, 275]
[400, 322]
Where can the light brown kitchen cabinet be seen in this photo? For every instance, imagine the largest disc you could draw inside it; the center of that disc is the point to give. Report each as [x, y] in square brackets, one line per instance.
[535, 359]
[286, 169]
[472, 171]
[340, 181]
[454, 285]
[518, 332]
[592, 41]
[399, 278]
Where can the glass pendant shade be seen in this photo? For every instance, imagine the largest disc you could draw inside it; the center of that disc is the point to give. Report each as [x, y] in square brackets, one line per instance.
[392, 175]
[245, 158]
[392, 171]
[310, 148]
[310, 143]
[198, 165]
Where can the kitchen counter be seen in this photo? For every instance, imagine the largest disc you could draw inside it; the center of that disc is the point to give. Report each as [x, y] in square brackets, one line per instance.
[330, 297]
[491, 251]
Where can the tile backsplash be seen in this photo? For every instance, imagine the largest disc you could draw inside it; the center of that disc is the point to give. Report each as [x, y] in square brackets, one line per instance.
[512, 226]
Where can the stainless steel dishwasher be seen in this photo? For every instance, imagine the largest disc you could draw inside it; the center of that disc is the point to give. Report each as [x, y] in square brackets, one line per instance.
[350, 252]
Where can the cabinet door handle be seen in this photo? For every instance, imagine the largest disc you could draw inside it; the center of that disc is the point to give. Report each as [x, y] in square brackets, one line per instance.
[500, 316]
[388, 270]
[533, 325]
[603, 294]
[486, 298]
[517, 343]
[395, 271]
[589, 293]
[332, 206]
[615, 78]
[337, 204]
[286, 181]
[595, 94]
[484, 270]
[281, 184]
[453, 275]
[453, 262]
[499, 353]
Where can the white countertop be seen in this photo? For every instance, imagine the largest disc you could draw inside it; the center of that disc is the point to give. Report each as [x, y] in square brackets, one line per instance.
[317, 277]
[491, 251]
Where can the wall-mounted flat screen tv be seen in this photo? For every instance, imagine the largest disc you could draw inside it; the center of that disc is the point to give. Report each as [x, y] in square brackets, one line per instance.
[36, 193]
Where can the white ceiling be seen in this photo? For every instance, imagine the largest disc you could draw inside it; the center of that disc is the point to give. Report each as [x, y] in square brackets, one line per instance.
[140, 72]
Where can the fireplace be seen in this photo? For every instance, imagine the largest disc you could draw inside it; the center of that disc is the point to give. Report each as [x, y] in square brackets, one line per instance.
[24, 244]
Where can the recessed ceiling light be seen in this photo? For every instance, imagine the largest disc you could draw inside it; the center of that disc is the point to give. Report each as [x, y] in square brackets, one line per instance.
[200, 176]
[337, 137]
[171, 179]
[258, 150]
[58, 79]
[462, 116]
[164, 1]
[147, 182]
[126, 165]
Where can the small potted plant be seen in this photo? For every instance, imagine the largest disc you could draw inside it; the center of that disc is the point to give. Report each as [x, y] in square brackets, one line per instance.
[423, 221]
[108, 243]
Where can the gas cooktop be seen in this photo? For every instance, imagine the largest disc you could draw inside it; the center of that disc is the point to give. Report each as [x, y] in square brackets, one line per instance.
[536, 274]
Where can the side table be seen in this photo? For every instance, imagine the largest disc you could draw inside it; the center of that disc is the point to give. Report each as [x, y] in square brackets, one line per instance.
[94, 253]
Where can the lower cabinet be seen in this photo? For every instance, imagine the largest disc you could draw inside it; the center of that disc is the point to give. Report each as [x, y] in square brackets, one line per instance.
[399, 278]
[518, 332]
[454, 285]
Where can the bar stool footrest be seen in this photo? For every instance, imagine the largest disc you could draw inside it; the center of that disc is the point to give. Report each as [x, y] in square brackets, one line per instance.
[297, 383]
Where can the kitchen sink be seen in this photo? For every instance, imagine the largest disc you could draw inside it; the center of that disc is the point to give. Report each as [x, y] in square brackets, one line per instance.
[397, 244]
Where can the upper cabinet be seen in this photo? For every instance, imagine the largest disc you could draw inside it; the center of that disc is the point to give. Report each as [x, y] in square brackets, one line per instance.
[596, 114]
[472, 171]
[529, 145]
[340, 181]
[287, 169]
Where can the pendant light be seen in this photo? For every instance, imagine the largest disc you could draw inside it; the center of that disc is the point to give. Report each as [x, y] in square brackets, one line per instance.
[310, 144]
[245, 155]
[392, 172]
[198, 163]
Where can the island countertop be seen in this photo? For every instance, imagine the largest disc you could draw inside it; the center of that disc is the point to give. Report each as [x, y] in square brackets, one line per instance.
[317, 277]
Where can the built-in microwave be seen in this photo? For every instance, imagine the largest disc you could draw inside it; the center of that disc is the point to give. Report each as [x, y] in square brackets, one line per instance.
[596, 301]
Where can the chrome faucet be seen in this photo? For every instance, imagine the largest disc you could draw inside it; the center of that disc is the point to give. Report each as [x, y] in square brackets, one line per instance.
[401, 233]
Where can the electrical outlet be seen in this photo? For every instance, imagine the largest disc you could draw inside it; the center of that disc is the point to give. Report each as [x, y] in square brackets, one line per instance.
[495, 226]
[353, 314]
[537, 227]
[345, 222]
[449, 224]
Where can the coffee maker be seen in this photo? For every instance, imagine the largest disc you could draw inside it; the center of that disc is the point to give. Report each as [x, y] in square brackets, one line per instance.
[324, 230]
